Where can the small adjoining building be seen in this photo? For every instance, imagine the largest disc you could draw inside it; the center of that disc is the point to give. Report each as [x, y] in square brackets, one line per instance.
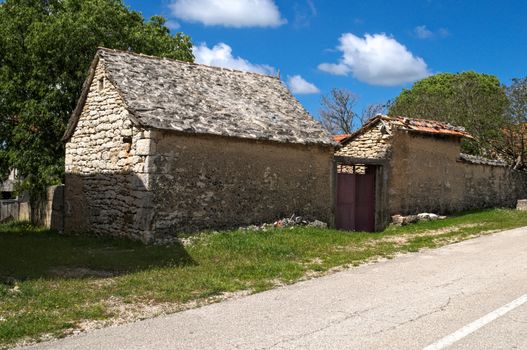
[402, 166]
[156, 147]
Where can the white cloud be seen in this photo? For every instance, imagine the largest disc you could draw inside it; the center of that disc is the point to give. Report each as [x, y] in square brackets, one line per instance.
[220, 55]
[422, 32]
[172, 25]
[229, 13]
[335, 68]
[376, 59]
[299, 85]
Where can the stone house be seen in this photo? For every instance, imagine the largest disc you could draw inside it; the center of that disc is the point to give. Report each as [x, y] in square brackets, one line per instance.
[397, 165]
[157, 146]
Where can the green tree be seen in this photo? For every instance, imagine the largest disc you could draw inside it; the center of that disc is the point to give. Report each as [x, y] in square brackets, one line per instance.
[475, 101]
[46, 47]
[514, 145]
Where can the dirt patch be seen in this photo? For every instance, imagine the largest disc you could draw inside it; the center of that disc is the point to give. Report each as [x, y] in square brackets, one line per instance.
[356, 249]
[126, 312]
[452, 240]
[103, 282]
[314, 261]
[444, 230]
[403, 239]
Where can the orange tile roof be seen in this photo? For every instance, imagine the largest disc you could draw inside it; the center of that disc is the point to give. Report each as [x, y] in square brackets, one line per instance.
[340, 138]
[427, 126]
[409, 124]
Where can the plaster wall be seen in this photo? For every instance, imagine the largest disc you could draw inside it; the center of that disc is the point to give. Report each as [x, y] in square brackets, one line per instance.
[426, 175]
[209, 182]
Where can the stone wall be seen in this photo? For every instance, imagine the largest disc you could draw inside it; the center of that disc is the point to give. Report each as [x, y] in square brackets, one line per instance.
[426, 175]
[210, 182]
[105, 177]
[373, 143]
[47, 212]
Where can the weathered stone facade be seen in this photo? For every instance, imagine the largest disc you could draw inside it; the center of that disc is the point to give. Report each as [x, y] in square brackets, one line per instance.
[424, 171]
[105, 178]
[124, 178]
[373, 143]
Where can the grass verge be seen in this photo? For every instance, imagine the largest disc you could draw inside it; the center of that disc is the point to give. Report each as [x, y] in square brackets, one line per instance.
[52, 285]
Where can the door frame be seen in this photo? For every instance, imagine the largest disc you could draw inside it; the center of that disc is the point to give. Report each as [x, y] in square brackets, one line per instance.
[381, 186]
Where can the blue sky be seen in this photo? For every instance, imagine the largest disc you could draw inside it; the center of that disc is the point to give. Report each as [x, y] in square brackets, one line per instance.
[373, 48]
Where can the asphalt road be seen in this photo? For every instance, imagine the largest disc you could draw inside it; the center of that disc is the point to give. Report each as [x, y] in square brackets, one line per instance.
[470, 295]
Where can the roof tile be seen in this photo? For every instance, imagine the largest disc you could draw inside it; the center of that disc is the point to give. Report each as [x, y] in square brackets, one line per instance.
[409, 124]
[193, 98]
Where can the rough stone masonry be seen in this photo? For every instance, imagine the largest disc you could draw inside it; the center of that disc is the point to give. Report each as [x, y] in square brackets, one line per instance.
[156, 147]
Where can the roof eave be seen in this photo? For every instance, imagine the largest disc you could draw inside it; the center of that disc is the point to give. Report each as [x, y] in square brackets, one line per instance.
[363, 129]
[330, 144]
[75, 115]
[457, 135]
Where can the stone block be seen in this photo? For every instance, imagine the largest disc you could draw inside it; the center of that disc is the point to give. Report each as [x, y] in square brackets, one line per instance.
[144, 147]
[139, 167]
[521, 204]
[126, 132]
[141, 182]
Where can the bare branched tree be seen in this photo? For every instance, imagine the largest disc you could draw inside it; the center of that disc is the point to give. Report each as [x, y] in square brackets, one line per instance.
[371, 111]
[337, 113]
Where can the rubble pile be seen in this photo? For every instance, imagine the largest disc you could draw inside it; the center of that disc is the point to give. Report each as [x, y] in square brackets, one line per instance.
[289, 222]
[400, 220]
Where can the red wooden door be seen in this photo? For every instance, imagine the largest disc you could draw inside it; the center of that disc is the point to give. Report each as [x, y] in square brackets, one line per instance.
[346, 201]
[356, 201]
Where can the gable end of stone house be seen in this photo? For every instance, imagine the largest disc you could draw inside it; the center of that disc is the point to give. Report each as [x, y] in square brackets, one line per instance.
[106, 157]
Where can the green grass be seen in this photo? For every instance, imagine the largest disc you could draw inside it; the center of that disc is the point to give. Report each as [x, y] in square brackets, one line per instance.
[51, 284]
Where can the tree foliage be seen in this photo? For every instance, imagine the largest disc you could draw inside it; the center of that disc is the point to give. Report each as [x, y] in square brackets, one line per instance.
[475, 101]
[46, 47]
[513, 147]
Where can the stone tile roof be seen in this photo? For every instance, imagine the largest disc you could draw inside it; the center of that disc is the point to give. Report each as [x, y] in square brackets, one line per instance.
[192, 98]
[468, 158]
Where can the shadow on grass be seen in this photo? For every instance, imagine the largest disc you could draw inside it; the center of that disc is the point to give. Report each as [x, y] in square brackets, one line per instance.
[28, 252]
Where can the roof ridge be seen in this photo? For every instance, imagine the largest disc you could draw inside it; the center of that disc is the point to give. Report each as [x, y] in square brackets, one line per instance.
[481, 160]
[445, 127]
[165, 94]
[132, 53]
[424, 120]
